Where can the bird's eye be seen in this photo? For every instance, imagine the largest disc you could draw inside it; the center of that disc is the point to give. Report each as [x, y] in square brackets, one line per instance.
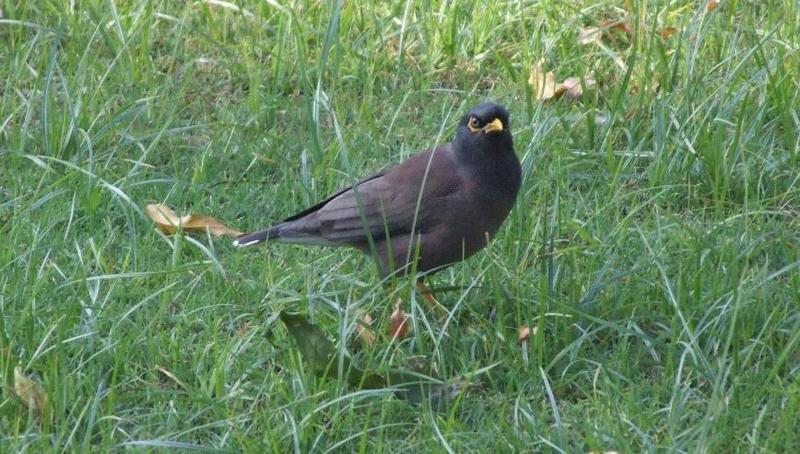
[474, 124]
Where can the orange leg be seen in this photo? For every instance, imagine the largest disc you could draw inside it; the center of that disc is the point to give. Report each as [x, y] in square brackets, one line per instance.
[399, 325]
[427, 295]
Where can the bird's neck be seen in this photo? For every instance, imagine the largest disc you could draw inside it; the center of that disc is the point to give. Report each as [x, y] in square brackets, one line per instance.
[498, 169]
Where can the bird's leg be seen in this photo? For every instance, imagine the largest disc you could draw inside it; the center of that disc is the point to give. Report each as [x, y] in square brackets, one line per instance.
[399, 323]
[427, 295]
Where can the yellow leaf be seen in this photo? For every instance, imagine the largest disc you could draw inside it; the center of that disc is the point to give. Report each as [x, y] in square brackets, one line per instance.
[165, 218]
[168, 222]
[543, 84]
[200, 223]
[30, 392]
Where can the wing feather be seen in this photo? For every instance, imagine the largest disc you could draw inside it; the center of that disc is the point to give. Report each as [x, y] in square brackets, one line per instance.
[384, 203]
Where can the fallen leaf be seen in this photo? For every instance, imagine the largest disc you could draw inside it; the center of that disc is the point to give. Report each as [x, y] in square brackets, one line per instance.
[545, 87]
[30, 392]
[667, 32]
[573, 89]
[712, 5]
[525, 332]
[319, 352]
[589, 35]
[316, 349]
[398, 328]
[543, 84]
[623, 26]
[169, 222]
[364, 330]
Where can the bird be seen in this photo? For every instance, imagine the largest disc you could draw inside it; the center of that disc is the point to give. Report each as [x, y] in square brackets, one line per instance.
[438, 207]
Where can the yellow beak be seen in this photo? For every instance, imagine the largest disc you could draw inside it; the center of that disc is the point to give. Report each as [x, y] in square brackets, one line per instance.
[495, 126]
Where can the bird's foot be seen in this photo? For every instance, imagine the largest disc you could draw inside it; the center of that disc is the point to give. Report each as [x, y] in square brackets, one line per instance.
[434, 304]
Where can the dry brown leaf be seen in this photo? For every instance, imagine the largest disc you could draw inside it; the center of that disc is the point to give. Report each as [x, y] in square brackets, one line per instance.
[623, 26]
[543, 84]
[712, 5]
[525, 332]
[573, 89]
[569, 85]
[30, 392]
[399, 321]
[165, 218]
[589, 35]
[200, 223]
[363, 330]
[168, 221]
[667, 32]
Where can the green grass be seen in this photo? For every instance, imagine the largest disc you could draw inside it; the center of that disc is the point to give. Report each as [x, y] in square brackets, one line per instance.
[654, 244]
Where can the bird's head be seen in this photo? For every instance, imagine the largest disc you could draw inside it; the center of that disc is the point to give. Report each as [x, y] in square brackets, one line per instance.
[486, 127]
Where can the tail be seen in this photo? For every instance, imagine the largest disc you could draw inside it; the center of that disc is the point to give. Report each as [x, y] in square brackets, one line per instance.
[249, 239]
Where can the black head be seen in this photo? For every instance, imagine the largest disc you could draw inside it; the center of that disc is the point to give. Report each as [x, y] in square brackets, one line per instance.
[486, 127]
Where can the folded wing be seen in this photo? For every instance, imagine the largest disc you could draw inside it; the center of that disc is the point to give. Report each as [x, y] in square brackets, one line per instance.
[382, 205]
[374, 207]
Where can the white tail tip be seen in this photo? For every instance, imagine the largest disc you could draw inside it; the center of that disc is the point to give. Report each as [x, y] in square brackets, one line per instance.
[236, 243]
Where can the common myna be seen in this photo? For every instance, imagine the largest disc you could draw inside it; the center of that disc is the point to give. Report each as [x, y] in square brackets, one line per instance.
[438, 207]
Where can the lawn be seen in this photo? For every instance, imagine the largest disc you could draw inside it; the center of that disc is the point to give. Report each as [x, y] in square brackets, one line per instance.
[653, 252]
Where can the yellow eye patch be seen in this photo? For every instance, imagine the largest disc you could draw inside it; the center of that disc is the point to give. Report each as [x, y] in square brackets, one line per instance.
[474, 124]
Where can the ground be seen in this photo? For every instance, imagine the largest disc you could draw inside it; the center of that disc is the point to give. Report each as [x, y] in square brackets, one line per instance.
[653, 251]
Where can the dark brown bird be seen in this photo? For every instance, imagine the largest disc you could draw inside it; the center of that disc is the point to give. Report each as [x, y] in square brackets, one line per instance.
[438, 207]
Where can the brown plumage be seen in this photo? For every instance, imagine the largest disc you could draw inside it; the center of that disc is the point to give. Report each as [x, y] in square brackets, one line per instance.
[467, 187]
